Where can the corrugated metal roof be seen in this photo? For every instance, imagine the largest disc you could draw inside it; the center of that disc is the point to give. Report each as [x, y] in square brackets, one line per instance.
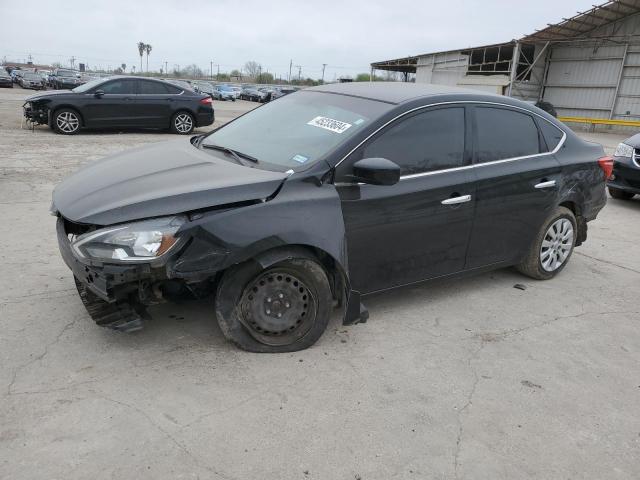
[575, 28]
[408, 64]
[583, 23]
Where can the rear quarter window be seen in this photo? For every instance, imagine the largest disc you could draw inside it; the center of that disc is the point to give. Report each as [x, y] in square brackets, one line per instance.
[552, 135]
[503, 133]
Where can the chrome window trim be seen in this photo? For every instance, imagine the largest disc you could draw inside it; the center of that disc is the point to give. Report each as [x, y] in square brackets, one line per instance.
[465, 167]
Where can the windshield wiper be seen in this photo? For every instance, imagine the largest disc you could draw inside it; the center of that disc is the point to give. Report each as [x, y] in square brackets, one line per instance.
[237, 156]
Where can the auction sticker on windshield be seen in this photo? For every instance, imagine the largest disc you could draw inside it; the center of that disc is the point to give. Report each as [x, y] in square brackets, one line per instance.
[330, 124]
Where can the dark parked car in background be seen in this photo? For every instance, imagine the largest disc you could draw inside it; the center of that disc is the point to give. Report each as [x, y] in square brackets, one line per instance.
[121, 102]
[252, 94]
[205, 87]
[182, 84]
[32, 80]
[320, 198]
[63, 78]
[5, 79]
[624, 183]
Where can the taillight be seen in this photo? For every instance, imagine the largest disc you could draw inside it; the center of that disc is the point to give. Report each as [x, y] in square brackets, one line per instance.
[206, 101]
[606, 164]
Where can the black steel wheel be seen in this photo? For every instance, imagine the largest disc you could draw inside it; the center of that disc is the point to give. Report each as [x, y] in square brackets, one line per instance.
[283, 308]
[278, 308]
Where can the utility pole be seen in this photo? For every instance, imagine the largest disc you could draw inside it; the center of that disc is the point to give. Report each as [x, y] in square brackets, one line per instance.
[324, 65]
[218, 74]
[299, 72]
[211, 69]
[72, 61]
[290, 65]
[166, 68]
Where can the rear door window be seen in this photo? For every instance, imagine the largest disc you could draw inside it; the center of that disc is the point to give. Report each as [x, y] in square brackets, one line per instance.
[503, 133]
[151, 88]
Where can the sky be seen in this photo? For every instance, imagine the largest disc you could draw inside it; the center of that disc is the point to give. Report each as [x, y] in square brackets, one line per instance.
[347, 35]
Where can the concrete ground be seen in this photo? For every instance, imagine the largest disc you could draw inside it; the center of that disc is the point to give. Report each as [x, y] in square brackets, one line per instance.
[471, 379]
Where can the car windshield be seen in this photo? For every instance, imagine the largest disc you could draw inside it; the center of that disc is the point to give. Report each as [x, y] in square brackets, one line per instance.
[89, 85]
[66, 73]
[32, 76]
[298, 129]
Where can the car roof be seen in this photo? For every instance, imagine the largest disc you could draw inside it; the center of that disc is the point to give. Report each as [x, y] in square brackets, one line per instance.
[391, 92]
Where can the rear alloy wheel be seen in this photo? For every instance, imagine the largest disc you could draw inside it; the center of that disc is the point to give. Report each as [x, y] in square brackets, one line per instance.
[620, 194]
[66, 121]
[182, 123]
[552, 247]
[284, 308]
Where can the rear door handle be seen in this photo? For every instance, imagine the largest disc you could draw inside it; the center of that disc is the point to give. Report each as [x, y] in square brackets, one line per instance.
[549, 184]
[456, 200]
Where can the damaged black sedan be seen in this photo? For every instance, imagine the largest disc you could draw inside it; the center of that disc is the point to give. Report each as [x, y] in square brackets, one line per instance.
[120, 102]
[312, 202]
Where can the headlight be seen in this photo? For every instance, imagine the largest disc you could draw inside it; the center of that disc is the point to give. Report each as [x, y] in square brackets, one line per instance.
[133, 242]
[623, 150]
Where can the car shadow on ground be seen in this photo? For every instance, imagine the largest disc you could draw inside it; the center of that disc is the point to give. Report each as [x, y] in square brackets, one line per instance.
[194, 322]
[632, 204]
[115, 131]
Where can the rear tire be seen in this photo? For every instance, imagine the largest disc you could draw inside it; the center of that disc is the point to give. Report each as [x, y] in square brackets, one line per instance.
[620, 194]
[182, 123]
[284, 308]
[552, 248]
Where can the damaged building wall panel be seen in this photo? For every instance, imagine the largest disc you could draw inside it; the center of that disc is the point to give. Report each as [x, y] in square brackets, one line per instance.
[530, 89]
[627, 106]
[441, 68]
[598, 77]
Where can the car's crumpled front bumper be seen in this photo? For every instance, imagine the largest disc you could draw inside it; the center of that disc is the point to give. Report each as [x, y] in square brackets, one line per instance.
[626, 174]
[108, 281]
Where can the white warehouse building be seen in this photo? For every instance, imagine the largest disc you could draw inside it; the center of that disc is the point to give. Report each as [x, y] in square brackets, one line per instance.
[587, 67]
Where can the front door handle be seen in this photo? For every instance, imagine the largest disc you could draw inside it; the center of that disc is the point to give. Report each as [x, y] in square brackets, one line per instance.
[456, 200]
[549, 184]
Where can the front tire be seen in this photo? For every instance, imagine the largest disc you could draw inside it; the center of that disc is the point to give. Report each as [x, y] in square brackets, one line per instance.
[284, 308]
[66, 121]
[182, 123]
[552, 247]
[620, 194]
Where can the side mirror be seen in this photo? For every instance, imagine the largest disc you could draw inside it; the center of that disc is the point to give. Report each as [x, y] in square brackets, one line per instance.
[376, 171]
[98, 93]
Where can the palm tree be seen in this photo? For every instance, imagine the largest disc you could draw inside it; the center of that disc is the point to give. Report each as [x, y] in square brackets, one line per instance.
[141, 48]
[148, 49]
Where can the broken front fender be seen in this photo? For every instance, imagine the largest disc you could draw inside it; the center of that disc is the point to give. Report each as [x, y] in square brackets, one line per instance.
[305, 213]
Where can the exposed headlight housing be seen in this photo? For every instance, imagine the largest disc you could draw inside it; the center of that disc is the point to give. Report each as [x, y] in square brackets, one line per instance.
[134, 242]
[623, 150]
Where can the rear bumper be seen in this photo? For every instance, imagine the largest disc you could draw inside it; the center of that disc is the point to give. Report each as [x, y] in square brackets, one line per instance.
[205, 118]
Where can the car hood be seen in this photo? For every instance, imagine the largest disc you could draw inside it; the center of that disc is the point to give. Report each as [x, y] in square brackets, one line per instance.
[49, 93]
[633, 141]
[160, 179]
